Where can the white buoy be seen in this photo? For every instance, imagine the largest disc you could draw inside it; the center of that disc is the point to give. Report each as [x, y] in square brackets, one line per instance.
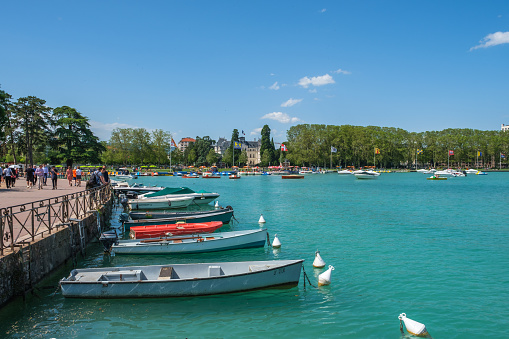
[216, 204]
[276, 243]
[318, 263]
[324, 278]
[261, 220]
[413, 327]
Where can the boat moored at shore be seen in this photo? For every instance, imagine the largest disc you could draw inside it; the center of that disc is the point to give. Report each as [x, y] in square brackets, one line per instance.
[179, 280]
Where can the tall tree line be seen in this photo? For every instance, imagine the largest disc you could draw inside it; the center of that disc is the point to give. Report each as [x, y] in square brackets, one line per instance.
[310, 145]
[32, 132]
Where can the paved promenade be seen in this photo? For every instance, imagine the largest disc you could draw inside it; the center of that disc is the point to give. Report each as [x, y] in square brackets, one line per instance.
[20, 194]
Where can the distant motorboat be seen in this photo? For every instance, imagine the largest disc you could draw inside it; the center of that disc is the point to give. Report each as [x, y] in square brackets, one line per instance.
[362, 174]
[436, 177]
[292, 176]
[471, 171]
[125, 176]
[481, 173]
[345, 172]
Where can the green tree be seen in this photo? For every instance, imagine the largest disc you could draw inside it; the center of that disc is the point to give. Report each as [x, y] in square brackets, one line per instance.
[73, 140]
[161, 141]
[202, 147]
[211, 157]
[266, 147]
[4, 101]
[243, 158]
[235, 137]
[35, 122]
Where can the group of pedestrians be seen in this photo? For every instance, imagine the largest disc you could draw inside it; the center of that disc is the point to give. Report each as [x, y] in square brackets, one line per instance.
[74, 175]
[38, 175]
[9, 176]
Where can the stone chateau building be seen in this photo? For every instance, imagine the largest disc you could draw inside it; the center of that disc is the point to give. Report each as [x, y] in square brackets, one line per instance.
[252, 149]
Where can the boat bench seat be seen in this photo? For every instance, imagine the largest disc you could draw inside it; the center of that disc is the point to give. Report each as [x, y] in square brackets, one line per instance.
[167, 273]
[133, 275]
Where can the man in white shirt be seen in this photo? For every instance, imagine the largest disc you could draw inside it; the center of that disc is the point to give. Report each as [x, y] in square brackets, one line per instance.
[46, 173]
[78, 177]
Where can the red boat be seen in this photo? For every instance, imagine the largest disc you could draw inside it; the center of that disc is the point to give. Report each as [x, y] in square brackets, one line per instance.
[155, 231]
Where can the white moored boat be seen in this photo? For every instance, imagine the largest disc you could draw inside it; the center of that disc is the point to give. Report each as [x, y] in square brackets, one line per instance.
[345, 172]
[160, 203]
[179, 280]
[196, 243]
[199, 197]
[362, 174]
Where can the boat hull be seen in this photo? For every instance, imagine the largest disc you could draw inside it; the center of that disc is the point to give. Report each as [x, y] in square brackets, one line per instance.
[212, 242]
[292, 176]
[155, 231]
[180, 280]
[143, 204]
[225, 217]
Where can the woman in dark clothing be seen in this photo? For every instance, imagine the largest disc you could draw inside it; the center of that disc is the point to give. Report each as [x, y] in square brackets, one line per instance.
[30, 176]
[54, 177]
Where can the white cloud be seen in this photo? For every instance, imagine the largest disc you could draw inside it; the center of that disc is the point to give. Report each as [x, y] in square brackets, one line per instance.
[290, 102]
[274, 87]
[493, 39]
[323, 10]
[313, 90]
[256, 131]
[103, 131]
[281, 117]
[342, 71]
[316, 81]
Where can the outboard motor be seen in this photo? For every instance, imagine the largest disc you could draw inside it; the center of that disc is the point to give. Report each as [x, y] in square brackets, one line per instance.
[132, 195]
[123, 217]
[107, 239]
[123, 200]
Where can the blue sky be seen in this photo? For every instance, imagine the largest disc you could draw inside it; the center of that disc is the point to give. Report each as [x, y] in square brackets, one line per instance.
[198, 68]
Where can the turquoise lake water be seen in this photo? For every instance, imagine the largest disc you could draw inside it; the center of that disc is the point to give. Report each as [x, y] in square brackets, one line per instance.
[435, 250]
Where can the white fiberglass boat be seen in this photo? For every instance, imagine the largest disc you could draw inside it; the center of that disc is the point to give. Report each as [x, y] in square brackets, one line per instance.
[362, 174]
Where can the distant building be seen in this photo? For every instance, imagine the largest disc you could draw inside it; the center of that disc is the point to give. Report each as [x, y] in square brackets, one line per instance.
[184, 143]
[252, 149]
[505, 128]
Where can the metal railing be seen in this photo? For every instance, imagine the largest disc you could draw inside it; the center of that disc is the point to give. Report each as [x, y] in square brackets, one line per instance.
[21, 224]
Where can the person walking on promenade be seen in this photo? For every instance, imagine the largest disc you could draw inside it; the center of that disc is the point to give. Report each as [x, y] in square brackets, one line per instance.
[54, 177]
[105, 175]
[74, 175]
[78, 177]
[14, 175]
[69, 175]
[46, 173]
[39, 173]
[30, 176]
[7, 174]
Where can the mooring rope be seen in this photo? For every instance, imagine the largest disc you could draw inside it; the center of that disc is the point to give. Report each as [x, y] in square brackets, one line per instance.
[306, 277]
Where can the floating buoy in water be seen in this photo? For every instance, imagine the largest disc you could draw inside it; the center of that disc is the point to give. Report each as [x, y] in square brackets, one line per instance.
[276, 243]
[216, 204]
[261, 220]
[324, 278]
[413, 327]
[318, 263]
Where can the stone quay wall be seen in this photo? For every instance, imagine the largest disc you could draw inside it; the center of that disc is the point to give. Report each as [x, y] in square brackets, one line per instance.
[21, 270]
